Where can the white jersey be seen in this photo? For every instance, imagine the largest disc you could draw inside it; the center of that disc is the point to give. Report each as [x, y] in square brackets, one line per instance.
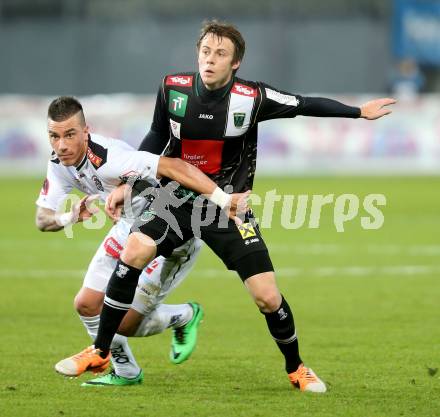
[107, 162]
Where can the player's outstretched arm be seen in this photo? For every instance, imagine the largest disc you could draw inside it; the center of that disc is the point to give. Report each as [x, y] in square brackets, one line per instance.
[48, 220]
[375, 109]
[327, 107]
[191, 177]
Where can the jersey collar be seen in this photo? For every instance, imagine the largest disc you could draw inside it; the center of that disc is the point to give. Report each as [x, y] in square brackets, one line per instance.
[208, 95]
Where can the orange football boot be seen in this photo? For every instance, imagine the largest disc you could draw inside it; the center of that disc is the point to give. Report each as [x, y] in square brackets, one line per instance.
[306, 380]
[87, 360]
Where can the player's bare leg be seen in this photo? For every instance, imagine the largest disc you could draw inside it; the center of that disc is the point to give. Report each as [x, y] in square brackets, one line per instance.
[152, 317]
[279, 318]
[138, 252]
[88, 304]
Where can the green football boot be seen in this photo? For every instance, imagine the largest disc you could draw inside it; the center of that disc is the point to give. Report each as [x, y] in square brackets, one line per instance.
[111, 379]
[185, 337]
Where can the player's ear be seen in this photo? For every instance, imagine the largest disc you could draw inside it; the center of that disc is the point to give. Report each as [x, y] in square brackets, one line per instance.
[236, 65]
[86, 134]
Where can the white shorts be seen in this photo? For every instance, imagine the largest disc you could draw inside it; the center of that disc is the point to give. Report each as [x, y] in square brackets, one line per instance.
[157, 279]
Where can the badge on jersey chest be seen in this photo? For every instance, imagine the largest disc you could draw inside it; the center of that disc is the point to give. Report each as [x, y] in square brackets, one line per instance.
[239, 119]
[98, 183]
[241, 103]
[177, 103]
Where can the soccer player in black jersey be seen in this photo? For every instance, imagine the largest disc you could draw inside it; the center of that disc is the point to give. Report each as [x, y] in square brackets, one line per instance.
[210, 119]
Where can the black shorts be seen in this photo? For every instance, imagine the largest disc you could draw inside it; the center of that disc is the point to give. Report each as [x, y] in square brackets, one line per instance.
[241, 248]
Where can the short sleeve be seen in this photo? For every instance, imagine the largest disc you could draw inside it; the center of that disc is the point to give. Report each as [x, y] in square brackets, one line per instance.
[123, 163]
[55, 188]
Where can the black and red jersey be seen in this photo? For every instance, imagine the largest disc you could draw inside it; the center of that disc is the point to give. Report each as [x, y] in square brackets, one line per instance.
[220, 136]
[218, 132]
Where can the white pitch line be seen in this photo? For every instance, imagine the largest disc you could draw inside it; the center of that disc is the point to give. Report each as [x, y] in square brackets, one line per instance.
[296, 248]
[90, 245]
[330, 249]
[42, 273]
[291, 272]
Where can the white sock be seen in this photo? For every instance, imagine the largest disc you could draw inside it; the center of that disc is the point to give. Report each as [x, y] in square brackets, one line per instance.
[122, 358]
[164, 316]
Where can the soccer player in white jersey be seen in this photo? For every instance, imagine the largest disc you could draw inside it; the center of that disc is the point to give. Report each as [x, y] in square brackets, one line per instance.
[96, 165]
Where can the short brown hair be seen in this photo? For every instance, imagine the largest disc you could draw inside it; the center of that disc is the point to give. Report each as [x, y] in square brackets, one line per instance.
[224, 30]
[64, 107]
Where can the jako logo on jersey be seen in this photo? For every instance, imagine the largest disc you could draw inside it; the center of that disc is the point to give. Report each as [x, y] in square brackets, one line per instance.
[122, 271]
[94, 159]
[244, 90]
[206, 116]
[183, 80]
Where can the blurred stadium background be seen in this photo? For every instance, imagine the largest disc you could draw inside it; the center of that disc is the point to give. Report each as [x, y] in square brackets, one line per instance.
[95, 49]
[366, 302]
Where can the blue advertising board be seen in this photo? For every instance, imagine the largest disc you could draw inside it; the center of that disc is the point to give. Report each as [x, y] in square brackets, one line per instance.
[416, 30]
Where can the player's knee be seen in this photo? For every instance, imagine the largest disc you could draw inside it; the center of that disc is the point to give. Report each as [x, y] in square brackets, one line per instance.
[86, 307]
[268, 301]
[139, 250]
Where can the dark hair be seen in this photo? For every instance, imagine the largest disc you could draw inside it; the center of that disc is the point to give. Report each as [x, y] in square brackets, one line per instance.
[224, 30]
[64, 107]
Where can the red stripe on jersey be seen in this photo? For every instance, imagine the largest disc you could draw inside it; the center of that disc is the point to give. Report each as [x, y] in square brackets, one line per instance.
[205, 154]
[112, 247]
[45, 187]
[244, 90]
[182, 80]
[94, 159]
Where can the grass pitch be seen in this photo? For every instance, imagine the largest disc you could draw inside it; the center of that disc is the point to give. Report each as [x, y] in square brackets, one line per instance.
[366, 306]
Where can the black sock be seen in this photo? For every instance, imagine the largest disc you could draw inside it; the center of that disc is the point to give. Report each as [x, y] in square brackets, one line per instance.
[282, 329]
[117, 301]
